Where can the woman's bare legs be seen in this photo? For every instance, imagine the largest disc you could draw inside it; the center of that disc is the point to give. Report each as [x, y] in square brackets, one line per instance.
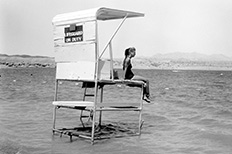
[146, 88]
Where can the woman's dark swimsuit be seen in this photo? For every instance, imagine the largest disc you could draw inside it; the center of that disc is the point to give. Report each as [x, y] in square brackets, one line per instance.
[129, 74]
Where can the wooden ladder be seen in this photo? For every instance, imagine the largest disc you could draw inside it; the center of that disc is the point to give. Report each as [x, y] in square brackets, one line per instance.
[90, 116]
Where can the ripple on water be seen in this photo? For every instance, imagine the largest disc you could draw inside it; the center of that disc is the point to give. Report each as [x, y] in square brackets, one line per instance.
[191, 113]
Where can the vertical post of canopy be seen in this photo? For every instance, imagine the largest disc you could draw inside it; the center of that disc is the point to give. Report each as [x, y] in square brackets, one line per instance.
[95, 81]
[101, 100]
[111, 61]
[140, 110]
[55, 107]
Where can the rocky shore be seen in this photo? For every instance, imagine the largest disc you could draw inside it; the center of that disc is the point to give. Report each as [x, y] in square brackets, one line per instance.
[26, 61]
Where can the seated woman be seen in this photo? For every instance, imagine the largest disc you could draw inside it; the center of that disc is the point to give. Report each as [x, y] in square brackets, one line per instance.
[129, 75]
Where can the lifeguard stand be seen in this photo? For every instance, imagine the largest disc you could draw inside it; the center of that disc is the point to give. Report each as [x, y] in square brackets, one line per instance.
[78, 59]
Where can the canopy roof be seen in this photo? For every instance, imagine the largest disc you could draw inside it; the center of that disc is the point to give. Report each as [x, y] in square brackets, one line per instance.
[94, 14]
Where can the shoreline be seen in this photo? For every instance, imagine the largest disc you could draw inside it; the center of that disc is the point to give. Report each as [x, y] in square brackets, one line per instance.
[8, 62]
[175, 70]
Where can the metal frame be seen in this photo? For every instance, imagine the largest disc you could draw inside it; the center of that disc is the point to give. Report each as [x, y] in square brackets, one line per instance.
[99, 107]
[95, 15]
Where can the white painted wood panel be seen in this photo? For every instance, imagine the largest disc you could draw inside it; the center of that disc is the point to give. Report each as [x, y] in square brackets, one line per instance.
[82, 70]
[74, 53]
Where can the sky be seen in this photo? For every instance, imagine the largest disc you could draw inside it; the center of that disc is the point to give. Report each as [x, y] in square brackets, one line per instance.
[202, 26]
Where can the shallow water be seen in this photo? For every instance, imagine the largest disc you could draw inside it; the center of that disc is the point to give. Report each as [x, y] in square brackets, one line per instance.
[190, 113]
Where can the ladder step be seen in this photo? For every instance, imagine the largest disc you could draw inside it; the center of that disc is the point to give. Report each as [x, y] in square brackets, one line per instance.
[84, 116]
[89, 95]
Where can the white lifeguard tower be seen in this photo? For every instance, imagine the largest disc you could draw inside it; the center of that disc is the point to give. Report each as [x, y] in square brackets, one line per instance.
[78, 59]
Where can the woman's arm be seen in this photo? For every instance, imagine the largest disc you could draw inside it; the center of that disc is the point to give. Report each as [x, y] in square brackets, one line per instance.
[125, 66]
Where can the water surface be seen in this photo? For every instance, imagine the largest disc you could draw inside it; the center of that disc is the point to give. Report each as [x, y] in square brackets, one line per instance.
[190, 113]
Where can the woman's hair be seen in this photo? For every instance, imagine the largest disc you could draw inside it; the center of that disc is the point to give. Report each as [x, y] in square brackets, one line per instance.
[128, 51]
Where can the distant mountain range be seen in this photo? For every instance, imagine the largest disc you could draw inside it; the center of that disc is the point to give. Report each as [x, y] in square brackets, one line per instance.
[22, 56]
[177, 60]
[175, 56]
[193, 56]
